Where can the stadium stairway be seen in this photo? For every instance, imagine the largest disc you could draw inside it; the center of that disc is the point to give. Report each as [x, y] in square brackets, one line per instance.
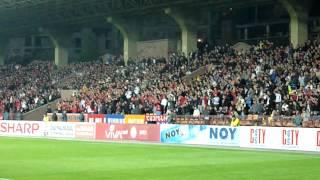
[201, 71]
[37, 114]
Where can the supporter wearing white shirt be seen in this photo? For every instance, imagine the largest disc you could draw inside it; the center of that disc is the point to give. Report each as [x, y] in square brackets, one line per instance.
[258, 69]
[36, 99]
[128, 94]
[82, 103]
[24, 104]
[278, 97]
[302, 81]
[196, 112]
[285, 107]
[216, 100]
[164, 102]
[136, 90]
[89, 110]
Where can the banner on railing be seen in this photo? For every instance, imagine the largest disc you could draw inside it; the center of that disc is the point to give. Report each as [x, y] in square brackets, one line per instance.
[71, 117]
[96, 118]
[192, 120]
[200, 134]
[159, 119]
[134, 119]
[138, 132]
[115, 119]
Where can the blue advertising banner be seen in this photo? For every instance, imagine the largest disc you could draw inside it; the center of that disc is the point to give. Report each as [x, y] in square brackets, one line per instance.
[115, 118]
[200, 134]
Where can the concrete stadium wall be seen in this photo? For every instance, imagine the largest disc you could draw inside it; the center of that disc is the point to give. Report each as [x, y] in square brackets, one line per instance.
[155, 48]
[66, 94]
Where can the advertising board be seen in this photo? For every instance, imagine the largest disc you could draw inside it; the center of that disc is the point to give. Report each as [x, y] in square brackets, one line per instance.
[137, 132]
[85, 130]
[159, 119]
[115, 119]
[134, 119]
[60, 130]
[96, 118]
[22, 128]
[200, 134]
[304, 139]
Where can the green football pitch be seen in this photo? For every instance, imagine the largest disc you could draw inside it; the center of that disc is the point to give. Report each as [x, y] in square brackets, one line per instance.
[30, 159]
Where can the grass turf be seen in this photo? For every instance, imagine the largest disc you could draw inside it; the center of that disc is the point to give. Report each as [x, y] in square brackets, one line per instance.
[29, 159]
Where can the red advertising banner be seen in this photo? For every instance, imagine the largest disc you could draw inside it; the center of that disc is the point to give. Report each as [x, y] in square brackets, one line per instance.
[96, 118]
[160, 119]
[139, 132]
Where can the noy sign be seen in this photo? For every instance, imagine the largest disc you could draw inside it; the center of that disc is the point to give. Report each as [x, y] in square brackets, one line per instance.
[222, 133]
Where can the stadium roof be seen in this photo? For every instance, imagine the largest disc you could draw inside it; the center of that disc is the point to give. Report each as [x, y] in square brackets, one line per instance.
[17, 15]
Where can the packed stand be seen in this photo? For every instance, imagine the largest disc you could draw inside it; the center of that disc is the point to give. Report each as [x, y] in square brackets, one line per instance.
[24, 88]
[267, 80]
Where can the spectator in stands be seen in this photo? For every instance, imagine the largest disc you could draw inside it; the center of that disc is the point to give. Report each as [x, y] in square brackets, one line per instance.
[54, 117]
[45, 118]
[298, 119]
[64, 116]
[235, 121]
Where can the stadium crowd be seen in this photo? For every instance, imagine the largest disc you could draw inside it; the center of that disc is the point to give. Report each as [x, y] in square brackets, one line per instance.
[267, 79]
[24, 88]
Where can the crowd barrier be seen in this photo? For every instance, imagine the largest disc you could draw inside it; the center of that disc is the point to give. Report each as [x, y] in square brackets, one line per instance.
[282, 138]
[220, 120]
[113, 118]
[248, 120]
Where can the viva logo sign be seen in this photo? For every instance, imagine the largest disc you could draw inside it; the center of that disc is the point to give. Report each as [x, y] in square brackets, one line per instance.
[222, 133]
[113, 133]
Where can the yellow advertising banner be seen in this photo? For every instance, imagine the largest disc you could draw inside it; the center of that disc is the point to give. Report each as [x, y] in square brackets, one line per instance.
[134, 119]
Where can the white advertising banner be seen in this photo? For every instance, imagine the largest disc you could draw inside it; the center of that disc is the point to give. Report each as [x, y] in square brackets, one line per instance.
[60, 129]
[22, 128]
[304, 139]
[69, 130]
[85, 130]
